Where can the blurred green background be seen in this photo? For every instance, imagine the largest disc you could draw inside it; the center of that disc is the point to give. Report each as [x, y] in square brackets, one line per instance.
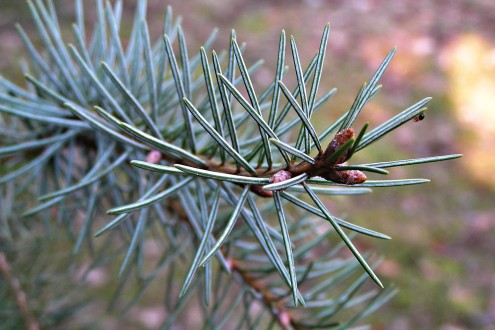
[441, 256]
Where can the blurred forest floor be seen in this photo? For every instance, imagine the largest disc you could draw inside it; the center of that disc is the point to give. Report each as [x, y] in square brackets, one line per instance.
[442, 253]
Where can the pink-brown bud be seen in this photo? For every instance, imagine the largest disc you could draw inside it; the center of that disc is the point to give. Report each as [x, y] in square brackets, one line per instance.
[280, 176]
[349, 177]
[154, 157]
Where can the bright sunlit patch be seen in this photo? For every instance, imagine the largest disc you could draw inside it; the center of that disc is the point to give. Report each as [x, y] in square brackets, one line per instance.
[470, 66]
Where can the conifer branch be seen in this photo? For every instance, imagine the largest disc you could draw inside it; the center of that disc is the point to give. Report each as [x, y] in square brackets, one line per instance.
[180, 149]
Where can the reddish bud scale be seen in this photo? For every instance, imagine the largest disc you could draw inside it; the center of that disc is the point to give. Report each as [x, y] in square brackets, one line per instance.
[338, 141]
